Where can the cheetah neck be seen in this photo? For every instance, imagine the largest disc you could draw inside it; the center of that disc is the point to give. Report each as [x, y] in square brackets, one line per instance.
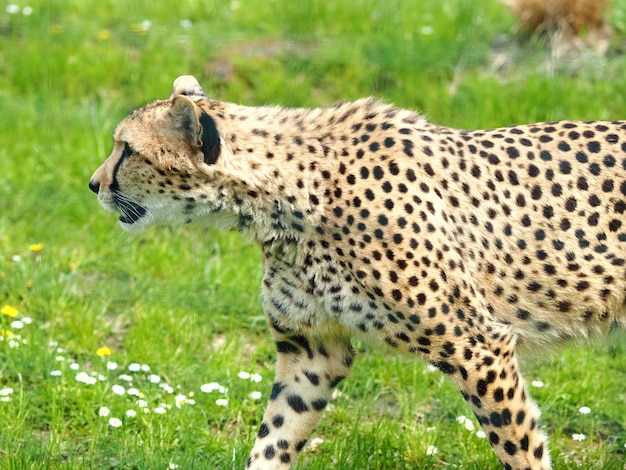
[282, 166]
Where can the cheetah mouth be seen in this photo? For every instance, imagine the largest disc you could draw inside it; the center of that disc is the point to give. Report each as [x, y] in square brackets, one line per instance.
[131, 211]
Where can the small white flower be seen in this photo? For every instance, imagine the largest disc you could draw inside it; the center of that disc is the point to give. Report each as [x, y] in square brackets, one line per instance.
[15, 258]
[173, 466]
[118, 389]
[115, 422]
[74, 366]
[12, 9]
[142, 403]
[585, 410]
[145, 367]
[221, 402]
[111, 365]
[125, 377]
[155, 379]
[180, 400]
[85, 378]
[166, 387]
[481, 434]
[60, 350]
[256, 395]
[5, 399]
[185, 24]
[6, 391]
[55, 373]
[59, 358]
[465, 421]
[248, 376]
[130, 413]
[27, 320]
[133, 392]
[315, 443]
[146, 25]
[134, 367]
[13, 344]
[17, 325]
[101, 378]
[27, 11]
[537, 383]
[53, 344]
[104, 411]
[432, 450]
[579, 437]
[210, 387]
[160, 410]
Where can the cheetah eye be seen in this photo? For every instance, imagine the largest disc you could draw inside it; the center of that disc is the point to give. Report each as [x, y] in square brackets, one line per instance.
[126, 152]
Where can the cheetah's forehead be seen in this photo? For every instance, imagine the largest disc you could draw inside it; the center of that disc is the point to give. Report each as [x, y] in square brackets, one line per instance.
[140, 119]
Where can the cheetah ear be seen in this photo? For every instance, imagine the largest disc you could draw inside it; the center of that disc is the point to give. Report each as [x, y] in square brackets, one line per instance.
[187, 85]
[197, 125]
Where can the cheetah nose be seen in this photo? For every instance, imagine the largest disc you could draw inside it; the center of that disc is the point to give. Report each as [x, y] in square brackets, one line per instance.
[94, 185]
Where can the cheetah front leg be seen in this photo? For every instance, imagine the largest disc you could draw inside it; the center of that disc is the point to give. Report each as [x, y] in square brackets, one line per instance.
[489, 379]
[308, 370]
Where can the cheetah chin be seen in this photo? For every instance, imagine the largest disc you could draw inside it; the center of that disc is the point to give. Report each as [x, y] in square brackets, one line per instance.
[131, 211]
[457, 246]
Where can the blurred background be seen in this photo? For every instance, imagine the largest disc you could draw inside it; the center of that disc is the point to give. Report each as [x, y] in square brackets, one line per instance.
[79, 296]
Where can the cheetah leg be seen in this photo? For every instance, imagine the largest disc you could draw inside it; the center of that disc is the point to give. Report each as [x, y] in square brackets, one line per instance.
[308, 370]
[490, 381]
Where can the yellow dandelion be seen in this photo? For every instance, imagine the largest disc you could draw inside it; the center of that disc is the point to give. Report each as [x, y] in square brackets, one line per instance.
[6, 334]
[9, 311]
[29, 283]
[36, 248]
[104, 35]
[104, 351]
[141, 28]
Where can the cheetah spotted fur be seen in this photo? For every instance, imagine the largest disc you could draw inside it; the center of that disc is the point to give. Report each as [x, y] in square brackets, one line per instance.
[455, 246]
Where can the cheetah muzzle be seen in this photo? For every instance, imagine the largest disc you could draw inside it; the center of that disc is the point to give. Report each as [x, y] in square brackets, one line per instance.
[456, 246]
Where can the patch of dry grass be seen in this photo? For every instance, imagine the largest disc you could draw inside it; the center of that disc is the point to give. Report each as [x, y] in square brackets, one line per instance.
[572, 17]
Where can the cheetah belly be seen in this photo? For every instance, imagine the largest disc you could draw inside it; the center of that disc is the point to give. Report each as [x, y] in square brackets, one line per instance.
[330, 301]
[573, 303]
[321, 302]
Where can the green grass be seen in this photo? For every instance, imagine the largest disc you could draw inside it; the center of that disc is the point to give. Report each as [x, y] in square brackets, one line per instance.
[186, 302]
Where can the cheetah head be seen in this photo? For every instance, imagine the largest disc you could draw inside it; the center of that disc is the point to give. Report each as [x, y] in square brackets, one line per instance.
[164, 166]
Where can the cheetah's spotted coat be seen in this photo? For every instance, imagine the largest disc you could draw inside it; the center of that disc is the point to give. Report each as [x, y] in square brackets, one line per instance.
[456, 246]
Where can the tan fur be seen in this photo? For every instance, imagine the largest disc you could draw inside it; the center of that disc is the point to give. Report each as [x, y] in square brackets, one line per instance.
[455, 246]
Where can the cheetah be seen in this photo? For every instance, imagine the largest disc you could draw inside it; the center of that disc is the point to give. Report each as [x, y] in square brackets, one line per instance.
[457, 246]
